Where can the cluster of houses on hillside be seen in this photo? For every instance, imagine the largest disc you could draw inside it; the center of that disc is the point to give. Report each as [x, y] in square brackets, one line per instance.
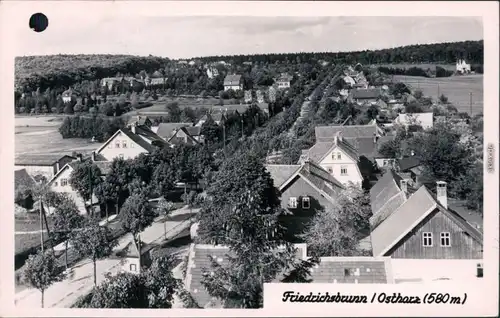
[414, 235]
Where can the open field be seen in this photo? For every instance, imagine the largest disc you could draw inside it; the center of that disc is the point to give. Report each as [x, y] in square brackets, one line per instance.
[449, 67]
[37, 135]
[456, 88]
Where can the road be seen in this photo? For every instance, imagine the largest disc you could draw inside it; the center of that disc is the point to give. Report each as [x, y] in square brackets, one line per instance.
[63, 294]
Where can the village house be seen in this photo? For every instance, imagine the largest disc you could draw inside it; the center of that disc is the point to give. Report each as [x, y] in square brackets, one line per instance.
[411, 166]
[60, 184]
[284, 81]
[305, 190]
[129, 142]
[349, 81]
[424, 120]
[156, 81]
[330, 270]
[462, 67]
[140, 121]
[135, 259]
[212, 72]
[69, 95]
[46, 165]
[366, 96]
[183, 135]
[110, 82]
[338, 157]
[168, 130]
[424, 227]
[233, 82]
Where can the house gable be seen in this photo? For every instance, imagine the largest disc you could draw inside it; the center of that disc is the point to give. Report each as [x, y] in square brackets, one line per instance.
[345, 169]
[464, 243]
[109, 150]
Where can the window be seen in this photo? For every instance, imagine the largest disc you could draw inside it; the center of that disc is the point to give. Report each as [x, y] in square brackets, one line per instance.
[333, 155]
[306, 202]
[117, 144]
[385, 163]
[343, 171]
[124, 144]
[64, 182]
[121, 156]
[339, 156]
[292, 202]
[133, 267]
[445, 239]
[348, 272]
[55, 184]
[427, 239]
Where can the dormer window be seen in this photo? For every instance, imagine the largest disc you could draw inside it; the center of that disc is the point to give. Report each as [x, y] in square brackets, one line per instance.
[306, 202]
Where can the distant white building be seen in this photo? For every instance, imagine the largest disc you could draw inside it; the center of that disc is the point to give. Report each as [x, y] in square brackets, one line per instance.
[463, 67]
[212, 72]
[425, 120]
[233, 82]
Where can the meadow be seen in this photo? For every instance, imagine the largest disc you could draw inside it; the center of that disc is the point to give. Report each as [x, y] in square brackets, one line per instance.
[40, 135]
[458, 89]
[449, 67]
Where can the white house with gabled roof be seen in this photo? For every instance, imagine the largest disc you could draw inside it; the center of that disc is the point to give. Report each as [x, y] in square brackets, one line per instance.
[128, 143]
[339, 158]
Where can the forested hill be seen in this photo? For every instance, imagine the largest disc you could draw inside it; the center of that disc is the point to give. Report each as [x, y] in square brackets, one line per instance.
[448, 52]
[64, 70]
[56, 71]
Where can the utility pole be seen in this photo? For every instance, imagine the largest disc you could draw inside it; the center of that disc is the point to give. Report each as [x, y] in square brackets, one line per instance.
[438, 92]
[224, 134]
[90, 183]
[470, 103]
[41, 222]
[242, 131]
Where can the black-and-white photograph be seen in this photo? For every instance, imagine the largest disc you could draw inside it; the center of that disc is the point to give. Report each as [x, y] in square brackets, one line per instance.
[184, 161]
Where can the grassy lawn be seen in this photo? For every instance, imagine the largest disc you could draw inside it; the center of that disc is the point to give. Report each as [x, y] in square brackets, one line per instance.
[46, 139]
[456, 88]
[424, 66]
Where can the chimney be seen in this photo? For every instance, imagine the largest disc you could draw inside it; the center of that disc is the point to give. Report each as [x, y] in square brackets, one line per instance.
[441, 193]
[375, 138]
[80, 157]
[338, 137]
[57, 167]
[132, 128]
[93, 156]
[404, 185]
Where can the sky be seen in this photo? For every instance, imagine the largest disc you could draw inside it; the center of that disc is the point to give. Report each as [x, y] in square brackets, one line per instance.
[191, 36]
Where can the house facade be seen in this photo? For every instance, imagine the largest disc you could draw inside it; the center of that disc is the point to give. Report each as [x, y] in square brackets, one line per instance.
[284, 81]
[46, 165]
[60, 184]
[462, 67]
[128, 143]
[305, 190]
[233, 82]
[423, 227]
[68, 95]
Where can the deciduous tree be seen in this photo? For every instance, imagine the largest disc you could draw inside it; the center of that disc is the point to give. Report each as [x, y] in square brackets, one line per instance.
[41, 272]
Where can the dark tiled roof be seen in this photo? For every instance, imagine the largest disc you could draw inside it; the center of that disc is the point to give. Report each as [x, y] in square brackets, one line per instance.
[408, 163]
[385, 196]
[320, 149]
[140, 120]
[143, 137]
[321, 179]
[328, 133]
[200, 257]
[22, 178]
[232, 80]
[281, 173]
[166, 130]
[365, 146]
[351, 270]
[366, 93]
[385, 234]
[193, 130]
[40, 159]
